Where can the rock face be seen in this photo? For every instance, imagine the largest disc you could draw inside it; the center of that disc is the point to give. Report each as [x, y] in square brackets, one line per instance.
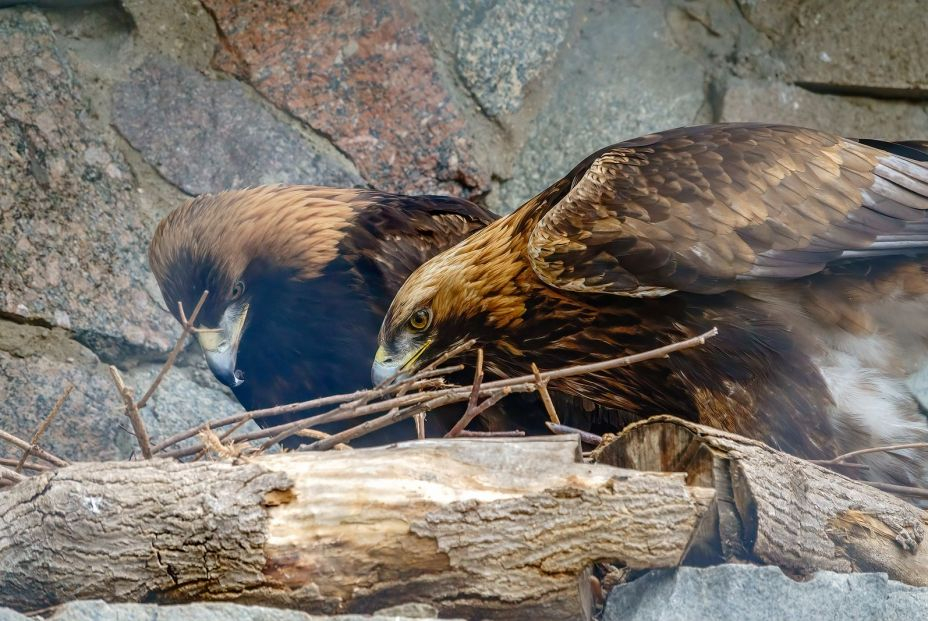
[208, 135]
[865, 117]
[749, 593]
[854, 47]
[502, 47]
[361, 73]
[72, 235]
[599, 100]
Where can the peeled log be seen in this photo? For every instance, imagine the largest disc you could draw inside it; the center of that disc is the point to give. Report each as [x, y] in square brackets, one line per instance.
[478, 528]
[777, 509]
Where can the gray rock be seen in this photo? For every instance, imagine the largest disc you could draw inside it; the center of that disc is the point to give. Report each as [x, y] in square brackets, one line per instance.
[72, 236]
[37, 363]
[502, 47]
[872, 47]
[750, 593]
[206, 135]
[11, 615]
[95, 610]
[622, 78]
[757, 100]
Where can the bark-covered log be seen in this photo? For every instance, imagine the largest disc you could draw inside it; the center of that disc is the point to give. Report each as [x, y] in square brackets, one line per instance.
[478, 528]
[777, 509]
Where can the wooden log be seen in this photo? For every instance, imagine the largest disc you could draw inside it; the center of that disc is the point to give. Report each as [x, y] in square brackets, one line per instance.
[478, 528]
[777, 509]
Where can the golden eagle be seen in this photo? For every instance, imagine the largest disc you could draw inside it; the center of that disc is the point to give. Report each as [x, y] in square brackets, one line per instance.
[808, 251]
[299, 278]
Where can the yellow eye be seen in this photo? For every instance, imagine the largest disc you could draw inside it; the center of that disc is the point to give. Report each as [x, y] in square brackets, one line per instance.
[420, 319]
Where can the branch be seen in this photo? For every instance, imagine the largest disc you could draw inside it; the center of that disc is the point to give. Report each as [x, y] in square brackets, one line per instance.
[132, 411]
[37, 451]
[585, 436]
[545, 396]
[876, 449]
[43, 426]
[420, 381]
[470, 411]
[188, 329]
[403, 407]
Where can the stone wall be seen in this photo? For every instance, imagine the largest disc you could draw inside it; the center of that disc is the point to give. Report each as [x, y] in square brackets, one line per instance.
[112, 113]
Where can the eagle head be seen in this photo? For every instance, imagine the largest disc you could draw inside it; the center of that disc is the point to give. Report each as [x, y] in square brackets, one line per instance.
[248, 249]
[475, 290]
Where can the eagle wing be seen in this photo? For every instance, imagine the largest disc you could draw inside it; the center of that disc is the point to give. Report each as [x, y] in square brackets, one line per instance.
[699, 209]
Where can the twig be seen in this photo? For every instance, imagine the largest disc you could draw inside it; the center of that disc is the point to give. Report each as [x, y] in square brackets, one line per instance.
[188, 329]
[419, 419]
[545, 397]
[449, 354]
[321, 435]
[585, 436]
[43, 426]
[473, 413]
[876, 449]
[471, 400]
[428, 400]
[29, 465]
[421, 381]
[9, 473]
[904, 490]
[132, 411]
[37, 451]
[516, 433]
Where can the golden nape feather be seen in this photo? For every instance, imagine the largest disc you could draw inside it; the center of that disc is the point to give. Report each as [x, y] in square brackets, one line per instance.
[807, 251]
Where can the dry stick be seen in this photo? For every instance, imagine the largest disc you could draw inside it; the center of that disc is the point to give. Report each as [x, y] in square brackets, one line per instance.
[904, 490]
[132, 411]
[545, 397]
[29, 465]
[315, 434]
[9, 473]
[188, 329]
[178, 346]
[43, 426]
[419, 419]
[516, 433]
[37, 451]
[426, 379]
[585, 436]
[355, 409]
[424, 401]
[469, 415]
[876, 449]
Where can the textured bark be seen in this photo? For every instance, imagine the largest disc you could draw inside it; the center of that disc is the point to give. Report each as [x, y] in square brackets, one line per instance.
[777, 509]
[478, 528]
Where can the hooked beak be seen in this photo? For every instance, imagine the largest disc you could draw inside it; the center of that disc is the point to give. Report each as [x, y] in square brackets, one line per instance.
[220, 345]
[386, 366]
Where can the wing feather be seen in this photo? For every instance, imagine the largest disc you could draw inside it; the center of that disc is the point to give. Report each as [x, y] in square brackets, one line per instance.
[699, 209]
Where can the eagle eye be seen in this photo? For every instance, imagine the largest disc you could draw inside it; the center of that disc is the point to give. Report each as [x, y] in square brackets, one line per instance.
[237, 290]
[421, 319]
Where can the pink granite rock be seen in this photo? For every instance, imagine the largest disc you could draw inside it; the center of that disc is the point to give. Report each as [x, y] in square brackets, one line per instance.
[361, 73]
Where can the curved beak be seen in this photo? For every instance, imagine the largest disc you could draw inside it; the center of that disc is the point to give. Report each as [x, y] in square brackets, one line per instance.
[220, 345]
[397, 367]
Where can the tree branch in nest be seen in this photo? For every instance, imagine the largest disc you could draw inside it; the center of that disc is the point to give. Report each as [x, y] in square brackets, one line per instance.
[43, 426]
[401, 407]
[188, 329]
